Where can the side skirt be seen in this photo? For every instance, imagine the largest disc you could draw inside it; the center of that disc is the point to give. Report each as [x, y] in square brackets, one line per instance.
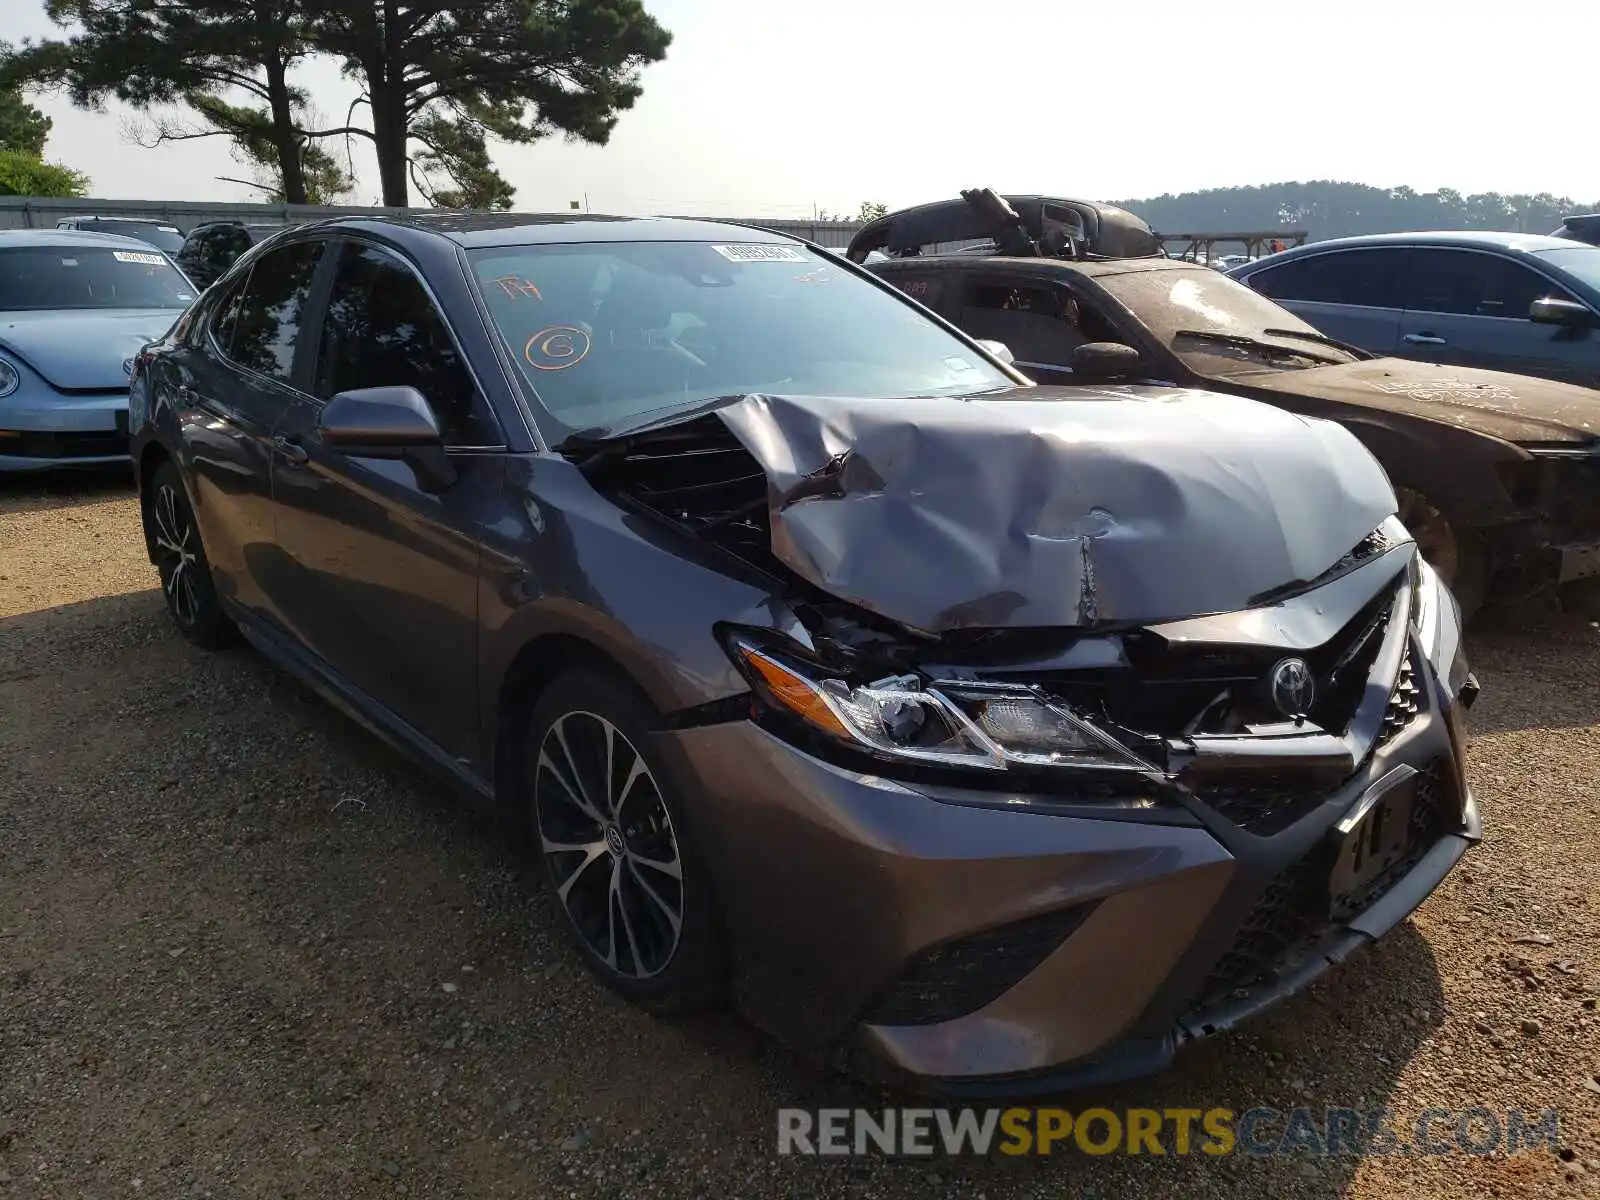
[312, 671]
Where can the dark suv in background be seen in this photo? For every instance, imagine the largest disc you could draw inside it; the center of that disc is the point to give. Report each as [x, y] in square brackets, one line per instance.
[210, 249]
[1585, 228]
[163, 235]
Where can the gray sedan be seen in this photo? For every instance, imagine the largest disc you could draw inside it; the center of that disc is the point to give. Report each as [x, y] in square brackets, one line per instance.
[1511, 302]
[974, 734]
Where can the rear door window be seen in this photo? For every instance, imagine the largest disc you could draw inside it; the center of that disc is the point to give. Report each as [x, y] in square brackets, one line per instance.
[267, 323]
[1364, 278]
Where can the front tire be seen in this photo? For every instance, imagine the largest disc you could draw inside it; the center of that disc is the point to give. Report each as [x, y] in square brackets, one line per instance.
[615, 847]
[1457, 556]
[186, 581]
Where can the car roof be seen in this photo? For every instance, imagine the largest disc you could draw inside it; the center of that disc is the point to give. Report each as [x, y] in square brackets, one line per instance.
[534, 229]
[161, 221]
[70, 237]
[1090, 267]
[1526, 243]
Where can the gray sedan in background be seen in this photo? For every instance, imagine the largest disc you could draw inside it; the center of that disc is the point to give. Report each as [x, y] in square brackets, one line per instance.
[1524, 303]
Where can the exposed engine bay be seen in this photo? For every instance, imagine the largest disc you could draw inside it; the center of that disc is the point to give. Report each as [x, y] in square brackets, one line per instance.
[935, 554]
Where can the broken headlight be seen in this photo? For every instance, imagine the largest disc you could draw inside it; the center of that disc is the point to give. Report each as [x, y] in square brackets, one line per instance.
[957, 723]
[1437, 617]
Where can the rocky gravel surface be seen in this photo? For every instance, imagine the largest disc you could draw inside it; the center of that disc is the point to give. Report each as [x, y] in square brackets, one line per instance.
[246, 951]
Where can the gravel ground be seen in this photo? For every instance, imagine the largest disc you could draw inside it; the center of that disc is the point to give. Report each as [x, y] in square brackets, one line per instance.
[246, 951]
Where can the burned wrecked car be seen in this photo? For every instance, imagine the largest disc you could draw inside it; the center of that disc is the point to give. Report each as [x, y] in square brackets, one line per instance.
[971, 732]
[1021, 226]
[1498, 475]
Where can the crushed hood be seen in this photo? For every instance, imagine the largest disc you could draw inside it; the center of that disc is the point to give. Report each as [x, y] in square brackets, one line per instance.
[1514, 408]
[82, 350]
[1054, 507]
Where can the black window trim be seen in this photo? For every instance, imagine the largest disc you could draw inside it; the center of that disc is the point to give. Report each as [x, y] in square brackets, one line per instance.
[518, 389]
[325, 292]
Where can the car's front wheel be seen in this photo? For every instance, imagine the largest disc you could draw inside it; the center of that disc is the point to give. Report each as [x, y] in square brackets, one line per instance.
[1456, 555]
[181, 559]
[615, 846]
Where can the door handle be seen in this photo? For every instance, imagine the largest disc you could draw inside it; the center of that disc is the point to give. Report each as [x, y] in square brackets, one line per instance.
[290, 451]
[1423, 339]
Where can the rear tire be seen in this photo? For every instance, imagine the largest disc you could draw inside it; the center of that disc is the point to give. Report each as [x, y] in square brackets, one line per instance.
[614, 846]
[186, 583]
[1458, 556]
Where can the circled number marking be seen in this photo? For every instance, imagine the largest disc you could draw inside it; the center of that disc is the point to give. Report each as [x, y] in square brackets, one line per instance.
[556, 348]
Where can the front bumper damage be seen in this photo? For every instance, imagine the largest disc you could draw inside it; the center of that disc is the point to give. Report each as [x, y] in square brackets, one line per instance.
[1037, 930]
[1010, 943]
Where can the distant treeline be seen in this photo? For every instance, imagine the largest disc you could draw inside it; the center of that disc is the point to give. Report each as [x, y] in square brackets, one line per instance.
[1328, 209]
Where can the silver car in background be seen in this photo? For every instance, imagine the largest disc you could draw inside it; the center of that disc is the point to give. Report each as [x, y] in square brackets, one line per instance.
[75, 308]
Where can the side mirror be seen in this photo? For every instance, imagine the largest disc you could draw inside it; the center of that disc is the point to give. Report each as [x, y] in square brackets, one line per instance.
[1104, 360]
[998, 349]
[1551, 311]
[391, 423]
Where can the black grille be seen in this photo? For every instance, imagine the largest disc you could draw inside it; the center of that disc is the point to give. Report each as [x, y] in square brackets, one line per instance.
[1171, 689]
[1296, 908]
[1262, 808]
[65, 445]
[959, 977]
[1405, 702]
[697, 475]
[1286, 917]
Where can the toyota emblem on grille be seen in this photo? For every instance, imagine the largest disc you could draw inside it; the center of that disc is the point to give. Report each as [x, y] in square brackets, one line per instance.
[1294, 687]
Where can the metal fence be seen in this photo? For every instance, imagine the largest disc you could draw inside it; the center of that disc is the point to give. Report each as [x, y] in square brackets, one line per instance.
[27, 212]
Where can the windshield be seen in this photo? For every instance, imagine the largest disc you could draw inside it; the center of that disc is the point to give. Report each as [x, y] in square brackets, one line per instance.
[1581, 262]
[162, 237]
[607, 331]
[38, 277]
[1177, 304]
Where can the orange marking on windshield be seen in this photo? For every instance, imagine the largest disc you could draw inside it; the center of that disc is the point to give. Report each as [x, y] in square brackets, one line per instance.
[556, 348]
[515, 286]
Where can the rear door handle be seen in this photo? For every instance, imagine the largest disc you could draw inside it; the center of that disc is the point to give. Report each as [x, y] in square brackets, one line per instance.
[291, 452]
[1423, 339]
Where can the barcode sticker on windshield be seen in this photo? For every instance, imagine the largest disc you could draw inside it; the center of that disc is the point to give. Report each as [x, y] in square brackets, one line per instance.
[138, 256]
[758, 252]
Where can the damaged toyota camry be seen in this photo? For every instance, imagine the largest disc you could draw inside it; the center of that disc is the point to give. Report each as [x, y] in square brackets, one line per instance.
[977, 735]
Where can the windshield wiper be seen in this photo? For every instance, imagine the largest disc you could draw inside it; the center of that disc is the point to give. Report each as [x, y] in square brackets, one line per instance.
[1321, 339]
[1250, 343]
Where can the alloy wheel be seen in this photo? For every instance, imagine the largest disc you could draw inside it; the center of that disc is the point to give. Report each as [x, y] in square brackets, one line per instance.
[608, 839]
[176, 556]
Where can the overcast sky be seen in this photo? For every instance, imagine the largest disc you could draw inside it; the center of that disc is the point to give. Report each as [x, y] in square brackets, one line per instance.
[901, 101]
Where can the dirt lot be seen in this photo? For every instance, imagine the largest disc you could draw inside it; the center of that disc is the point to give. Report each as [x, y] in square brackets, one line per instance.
[246, 951]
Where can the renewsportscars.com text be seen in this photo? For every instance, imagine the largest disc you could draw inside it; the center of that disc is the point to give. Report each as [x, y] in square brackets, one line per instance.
[1151, 1131]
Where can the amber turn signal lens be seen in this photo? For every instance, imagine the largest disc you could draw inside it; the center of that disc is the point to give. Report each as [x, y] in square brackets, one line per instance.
[794, 692]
